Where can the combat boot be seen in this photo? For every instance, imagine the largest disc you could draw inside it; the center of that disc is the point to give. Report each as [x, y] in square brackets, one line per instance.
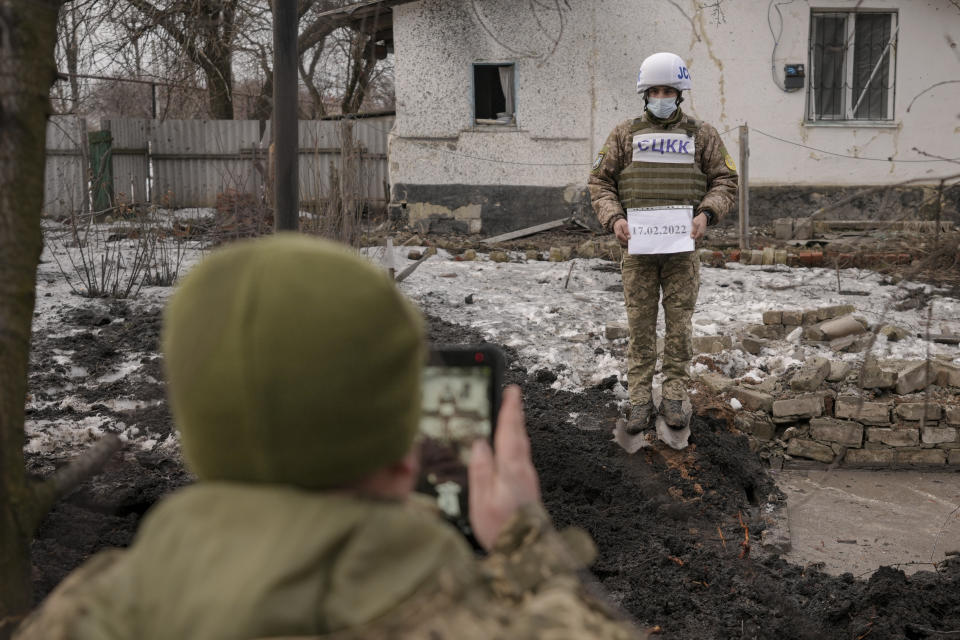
[640, 418]
[672, 412]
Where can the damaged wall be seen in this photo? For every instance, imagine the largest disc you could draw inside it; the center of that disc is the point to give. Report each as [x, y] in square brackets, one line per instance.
[575, 77]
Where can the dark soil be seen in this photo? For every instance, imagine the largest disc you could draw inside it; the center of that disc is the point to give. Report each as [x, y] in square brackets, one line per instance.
[677, 532]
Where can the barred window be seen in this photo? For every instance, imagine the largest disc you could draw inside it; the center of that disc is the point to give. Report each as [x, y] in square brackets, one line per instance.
[853, 65]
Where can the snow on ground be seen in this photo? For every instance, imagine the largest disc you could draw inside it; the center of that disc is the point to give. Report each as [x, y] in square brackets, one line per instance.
[529, 306]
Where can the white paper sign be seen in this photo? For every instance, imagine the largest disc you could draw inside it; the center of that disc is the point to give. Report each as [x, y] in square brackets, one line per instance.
[660, 230]
[675, 148]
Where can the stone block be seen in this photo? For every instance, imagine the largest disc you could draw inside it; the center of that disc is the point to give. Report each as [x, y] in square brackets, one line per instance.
[560, 254]
[588, 249]
[499, 256]
[765, 331]
[810, 317]
[711, 344]
[812, 375]
[805, 406]
[915, 376]
[938, 435]
[469, 255]
[752, 344]
[869, 457]
[759, 426]
[846, 343]
[838, 370]
[877, 375]
[948, 375]
[951, 415]
[917, 411]
[753, 400]
[845, 432]
[857, 409]
[921, 457]
[791, 318]
[954, 457]
[772, 317]
[803, 448]
[894, 437]
[783, 228]
[715, 382]
[836, 310]
[840, 327]
[614, 331]
[532, 254]
[802, 229]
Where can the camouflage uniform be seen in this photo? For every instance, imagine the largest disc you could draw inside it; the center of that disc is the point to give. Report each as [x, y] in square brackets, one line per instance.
[208, 564]
[617, 183]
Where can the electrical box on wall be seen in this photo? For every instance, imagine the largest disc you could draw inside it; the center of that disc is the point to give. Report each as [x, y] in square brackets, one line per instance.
[793, 76]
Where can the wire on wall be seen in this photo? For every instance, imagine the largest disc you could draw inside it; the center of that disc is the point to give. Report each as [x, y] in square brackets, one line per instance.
[776, 42]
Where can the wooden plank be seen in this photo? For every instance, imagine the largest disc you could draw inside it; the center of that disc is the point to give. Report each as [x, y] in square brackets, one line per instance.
[529, 231]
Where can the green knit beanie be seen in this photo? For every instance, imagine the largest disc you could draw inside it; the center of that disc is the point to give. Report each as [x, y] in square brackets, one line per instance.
[292, 360]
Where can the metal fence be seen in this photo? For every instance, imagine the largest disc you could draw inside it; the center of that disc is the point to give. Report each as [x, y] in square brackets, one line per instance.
[187, 163]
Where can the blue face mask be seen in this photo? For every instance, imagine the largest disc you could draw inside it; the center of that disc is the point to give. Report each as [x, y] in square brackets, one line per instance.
[663, 108]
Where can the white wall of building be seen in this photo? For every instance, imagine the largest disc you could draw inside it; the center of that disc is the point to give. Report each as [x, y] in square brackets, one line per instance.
[574, 86]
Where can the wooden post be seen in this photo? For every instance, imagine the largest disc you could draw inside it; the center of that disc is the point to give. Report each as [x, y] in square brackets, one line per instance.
[744, 191]
[285, 135]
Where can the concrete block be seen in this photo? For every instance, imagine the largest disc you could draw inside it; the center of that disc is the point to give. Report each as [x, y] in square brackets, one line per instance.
[917, 411]
[752, 344]
[753, 400]
[954, 457]
[838, 370]
[951, 415]
[560, 254]
[772, 317]
[877, 375]
[846, 343]
[869, 457]
[938, 435]
[921, 457]
[812, 375]
[840, 327]
[894, 437]
[856, 408]
[915, 376]
[810, 317]
[803, 448]
[947, 375]
[711, 344]
[765, 331]
[802, 229]
[759, 426]
[845, 432]
[532, 254]
[783, 228]
[499, 256]
[836, 310]
[791, 318]
[614, 331]
[469, 255]
[805, 406]
[893, 333]
[588, 249]
[715, 382]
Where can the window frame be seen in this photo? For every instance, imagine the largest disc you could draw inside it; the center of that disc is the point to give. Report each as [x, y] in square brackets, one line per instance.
[485, 122]
[848, 97]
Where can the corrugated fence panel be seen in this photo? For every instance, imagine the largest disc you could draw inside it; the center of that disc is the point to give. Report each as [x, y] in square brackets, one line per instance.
[130, 136]
[194, 160]
[64, 177]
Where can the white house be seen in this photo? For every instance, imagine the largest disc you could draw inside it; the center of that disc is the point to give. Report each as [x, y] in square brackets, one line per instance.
[502, 104]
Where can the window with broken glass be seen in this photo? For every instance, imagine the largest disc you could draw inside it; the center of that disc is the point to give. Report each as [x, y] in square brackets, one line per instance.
[493, 91]
[853, 65]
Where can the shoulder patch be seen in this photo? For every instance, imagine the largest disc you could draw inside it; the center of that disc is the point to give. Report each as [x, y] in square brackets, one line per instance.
[728, 160]
[600, 156]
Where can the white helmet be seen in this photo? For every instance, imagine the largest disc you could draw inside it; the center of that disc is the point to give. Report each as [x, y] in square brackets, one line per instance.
[663, 70]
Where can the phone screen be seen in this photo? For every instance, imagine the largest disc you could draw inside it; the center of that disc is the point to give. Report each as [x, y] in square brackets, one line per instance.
[461, 391]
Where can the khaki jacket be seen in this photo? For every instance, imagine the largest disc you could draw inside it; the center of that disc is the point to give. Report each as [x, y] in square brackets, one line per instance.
[617, 153]
[230, 561]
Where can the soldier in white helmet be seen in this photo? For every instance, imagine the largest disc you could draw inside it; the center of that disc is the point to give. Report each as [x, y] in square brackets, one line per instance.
[661, 159]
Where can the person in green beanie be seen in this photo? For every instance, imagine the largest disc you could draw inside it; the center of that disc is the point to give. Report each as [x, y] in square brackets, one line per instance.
[293, 371]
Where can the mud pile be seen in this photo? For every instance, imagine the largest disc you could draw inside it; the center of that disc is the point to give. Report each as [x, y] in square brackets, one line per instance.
[677, 532]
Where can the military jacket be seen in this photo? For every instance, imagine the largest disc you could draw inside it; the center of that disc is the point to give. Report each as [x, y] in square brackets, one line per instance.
[630, 169]
[222, 561]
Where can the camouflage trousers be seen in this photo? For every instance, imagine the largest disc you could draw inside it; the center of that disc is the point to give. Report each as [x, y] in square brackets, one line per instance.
[677, 275]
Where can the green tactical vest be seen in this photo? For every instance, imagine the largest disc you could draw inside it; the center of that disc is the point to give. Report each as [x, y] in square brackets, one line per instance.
[655, 184]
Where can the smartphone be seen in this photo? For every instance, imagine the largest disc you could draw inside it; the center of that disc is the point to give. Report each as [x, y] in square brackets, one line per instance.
[462, 387]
